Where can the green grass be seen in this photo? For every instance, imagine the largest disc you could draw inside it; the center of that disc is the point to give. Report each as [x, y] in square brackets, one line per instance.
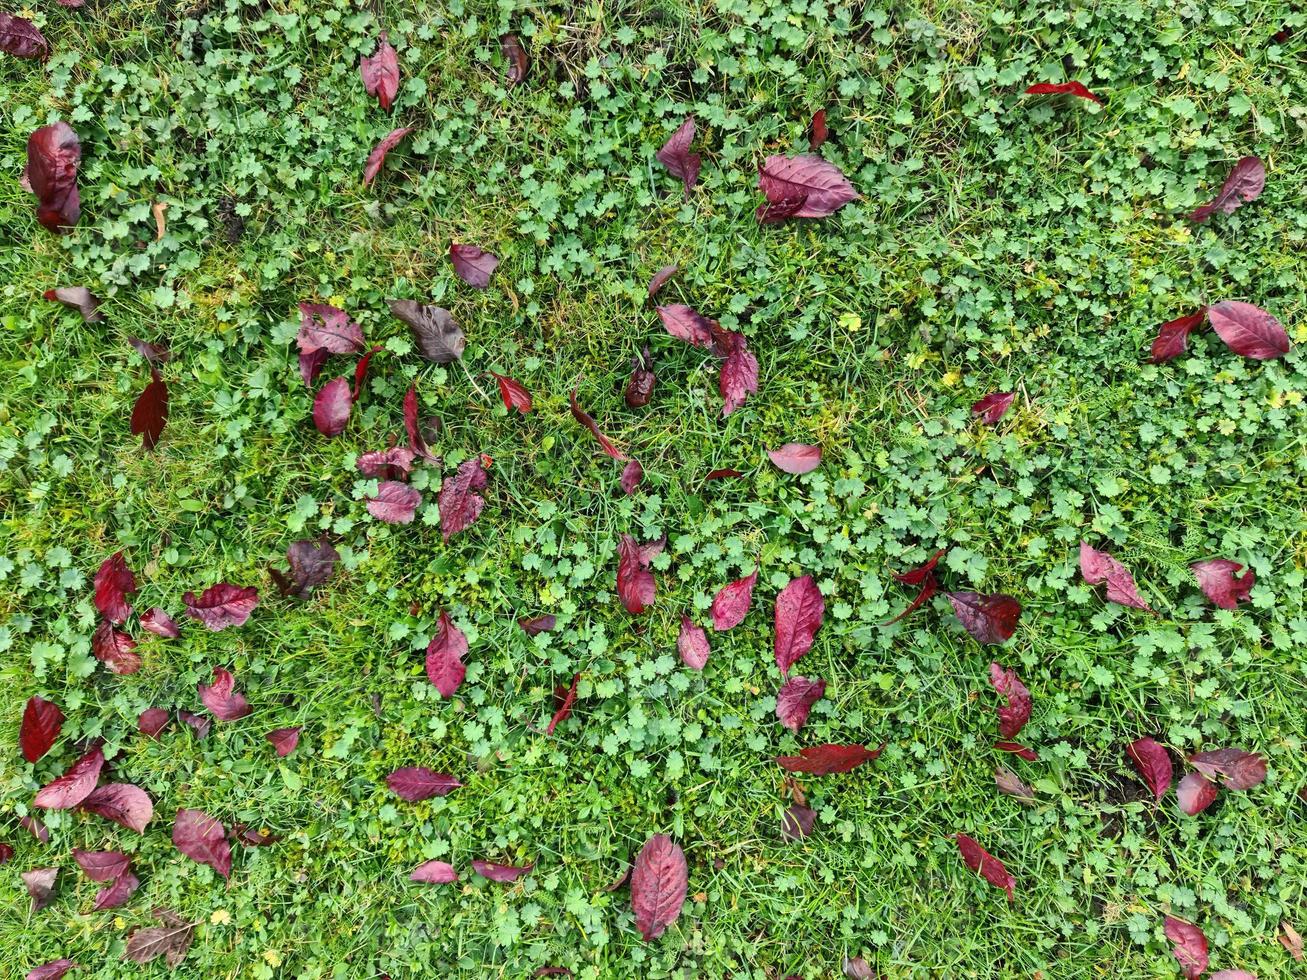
[1002, 243]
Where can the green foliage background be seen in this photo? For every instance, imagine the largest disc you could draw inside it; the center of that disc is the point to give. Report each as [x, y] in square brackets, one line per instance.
[1002, 243]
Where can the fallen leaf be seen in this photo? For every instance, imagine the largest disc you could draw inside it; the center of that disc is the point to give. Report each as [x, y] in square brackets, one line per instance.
[75, 785]
[41, 724]
[114, 582]
[503, 873]
[795, 699]
[990, 619]
[1237, 768]
[171, 940]
[586, 420]
[632, 476]
[817, 131]
[1189, 945]
[685, 323]
[160, 211]
[377, 158]
[416, 783]
[411, 425]
[395, 502]
[361, 371]
[1063, 88]
[518, 65]
[78, 298]
[799, 611]
[55, 969]
[535, 625]
[1014, 715]
[564, 698]
[394, 463]
[797, 821]
[101, 865]
[1196, 793]
[659, 881]
[312, 563]
[54, 155]
[675, 155]
[1173, 336]
[821, 185]
[284, 740]
[796, 458]
[222, 605]
[692, 644]
[150, 412]
[1098, 566]
[152, 721]
[332, 406]
[659, 278]
[993, 407]
[986, 865]
[458, 501]
[115, 649]
[738, 377]
[472, 265]
[732, 603]
[117, 892]
[922, 576]
[1153, 763]
[635, 583]
[380, 73]
[1242, 186]
[123, 803]
[822, 760]
[1291, 940]
[1010, 784]
[40, 884]
[515, 396]
[22, 39]
[445, 655]
[324, 327]
[1248, 330]
[434, 873]
[202, 839]
[160, 623]
[1219, 582]
[640, 387]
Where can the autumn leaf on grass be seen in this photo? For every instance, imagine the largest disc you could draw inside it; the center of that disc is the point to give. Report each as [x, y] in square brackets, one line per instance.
[513, 393]
[822, 760]
[22, 39]
[685, 323]
[312, 563]
[1220, 583]
[675, 155]
[640, 387]
[1010, 784]
[922, 576]
[160, 623]
[117, 892]
[1077, 89]
[41, 724]
[564, 699]
[692, 644]
[40, 884]
[101, 865]
[78, 298]
[515, 55]
[54, 155]
[1098, 566]
[1173, 336]
[1237, 768]
[732, 602]
[1189, 945]
[458, 501]
[503, 873]
[819, 187]
[171, 940]
[394, 463]
[993, 407]
[635, 582]
[535, 625]
[991, 619]
[331, 407]
[1153, 763]
[222, 605]
[203, 839]
[126, 805]
[796, 458]
[586, 420]
[324, 330]
[434, 873]
[395, 502]
[1242, 186]
[75, 785]
[795, 699]
[659, 881]
[284, 740]
[416, 783]
[798, 615]
[445, 655]
[1248, 330]
[380, 71]
[152, 721]
[1196, 793]
[150, 412]
[221, 697]
[631, 478]
[986, 865]
[114, 582]
[377, 158]
[817, 131]
[797, 821]
[659, 278]
[115, 649]
[54, 970]
[1014, 715]
[413, 427]
[472, 265]
[738, 376]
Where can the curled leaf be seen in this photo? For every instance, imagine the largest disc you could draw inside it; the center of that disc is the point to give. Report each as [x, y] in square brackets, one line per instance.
[377, 158]
[117, 892]
[640, 387]
[312, 563]
[535, 625]
[822, 760]
[635, 583]
[394, 463]
[1242, 186]
[1012, 717]
[675, 155]
[817, 131]
[40, 886]
[564, 698]
[434, 873]
[503, 873]
[1098, 566]
[990, 619]
[586, 420]
[380, 71]
[659, 278]
[1010, 784]
[1220, 583]
[413, 427]
[515, 55]
[1077, 89]
[986, 865]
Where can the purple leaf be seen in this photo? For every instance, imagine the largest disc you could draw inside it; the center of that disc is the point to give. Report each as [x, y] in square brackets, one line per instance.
[535, 625]
[472, 265]
[817, 130]
[1017, 749]
[458, 502]
[394, 463]
[74, 785]
[797, 821]
[439, 336]
[328, 328]
[799, 611]
[150, 413]
[101, 865]
[40, 886]
[202, 839]
[796, 458]
[395, 502]
[160, 623]
[993, 407]
[739, 376]
[1012, 717]
[116, 893]
[284, 740]
[1172, 336]
[151, 721]
[685, 323]
[54, 970]
[171, 940]
[1219, 582]
[988, 618]
[692, 644]
[659, 881]
[78, 298]
[1196, 793]
[732, 602]
[332, 406]
[115, 649]
[1189, 945]
[795, 699]
[123, 803]
[1243, 185]
[635, 583]
[1153, 763]
[774, 212]
[822, 760]
[518, 65]
[1237, 768]
[413, 428]
[640, 387]
[222, 605]
[416, 783]
[34, 827]
[377, 158]
[582, 416]
[434, 873]
[503, 873]
[821, 185]
[380, 72]
[41, 724]
[659, 278]
[22, 39]
[1248, 331]
[200, 724]
[445, 655]
[155, 354]
[221, 697]
[114, 582]
[1098, 566]
[675, 155]
[986, 865]
[312, 563]
[632, 476]
[53, 156]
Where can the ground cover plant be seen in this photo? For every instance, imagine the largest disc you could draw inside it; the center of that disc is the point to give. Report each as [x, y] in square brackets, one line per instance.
[770, 490]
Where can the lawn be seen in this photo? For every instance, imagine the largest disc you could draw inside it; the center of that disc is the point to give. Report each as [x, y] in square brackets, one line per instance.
[1001, 242]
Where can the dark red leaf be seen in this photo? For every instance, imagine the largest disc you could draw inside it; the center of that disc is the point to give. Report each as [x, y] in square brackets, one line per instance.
[1153, 763]
[222, 605]
[6, 853]
[1013, 717]
[1233, 975]
[332, 406]
[774, 212]
[202, 839]
[53, 156]
[42, 722]
[34, 827]
[723, 474]
[101, 865]
[511, 48]
[54, 970]
[685, 323]
[1172, 336]
[117, 893]
[1237, 768]
[1196, 793]
[675, 155]
[1243, 185]
[40, 886]
[115, 649]
[1189, 945]
[796, 458]
[739, 376]
[78, 298]
[74, 785]
[377, 158]
[795, 699]
[22, 39]
[500, 872]
[632, 477]
[417, 783]
[361, 371]
[605, 443]
[993, 407]
[252, 836]
[535, 625]
[659, 881]
[732, 602]
[564, 704]
[1098, 566]
[200, 724]
[923, 576]
[459, 503]
[160, 623]
[660, 277]
[171, 940]
[312, 563]
[151, 721]
[822, 760]
[434, 873]
[284, 740]
[155, 354]
[380, 72]
[797, 821]
[640, 387]
[150, 413]
[395, 502]
[986, 865]
[114, 582]
[635, 583]
[221, 697]
[324, 327]
[799, 610]
[311, 363]
[472, 265]
[387, 464]
[1016, 748]
[1010, 784]
[412, 426]
[1219, 582]
[123, 803]
[823, 188]
[1063, 88]
[817, 131]
[856, 968]
[515, 396]
[445, 655]
[692, 644]
[988, 618]
[1248, 331]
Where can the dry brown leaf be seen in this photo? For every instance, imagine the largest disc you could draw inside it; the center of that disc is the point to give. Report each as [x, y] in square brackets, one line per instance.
[160, 210]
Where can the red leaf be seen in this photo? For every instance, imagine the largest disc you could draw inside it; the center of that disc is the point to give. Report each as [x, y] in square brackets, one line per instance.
[771, 213]
[387, 464]
[1239, 769]
[1098, 566]
[824, 189]
[1030, 755]
[732, 602]
[500, 872]
[202, 839]
[332, 406]
[380, 72]
[796, 458]
[632, 477]
[659, 881]
[74, 785]
[324, 327]
[85, 302]
[123, 803]
[434, 873]
[640, 387]
[114, 582]
[535, 625]
[101, 865]
[605, 443]
[675, 155]
[221, 697]
[986, 865]
[993, 407]
[795, 699]
[685, 323]
[659, 278]
[1063, 88]
[22, 39]
[692, 644]
[1219, 582]
[311, 363]
[417, 783]
[222, 605]
[361, 371]
[160, 623]
[1189, 945]
[565, 698]
[42, 722]
[922, 573]
[252, 837]
[988, 618]
[411, 425]
[154, 354]
[395, 503]
[6, 853]
[739, 376]
[817, 130]
[1233, 975]
[799, 610]
[928, 588]
[797, 821]
[54, 970]
[511, 48]
[515, 396]
[53, 156]
[311, 564]
[117, 893]
[150, 413]
[1196, 793]
[1013, 717]
[723, 474]
[200, 724]
[40, 886]
[445, 655]
[115, 649]
[1248, 331]
[822, 760]
[151, 721]
[377, 158]
[458, 501]
[472, 265]
[1152, 762]
[284, 740]
[635, 583]
[1243, 185]
[1173, 336]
